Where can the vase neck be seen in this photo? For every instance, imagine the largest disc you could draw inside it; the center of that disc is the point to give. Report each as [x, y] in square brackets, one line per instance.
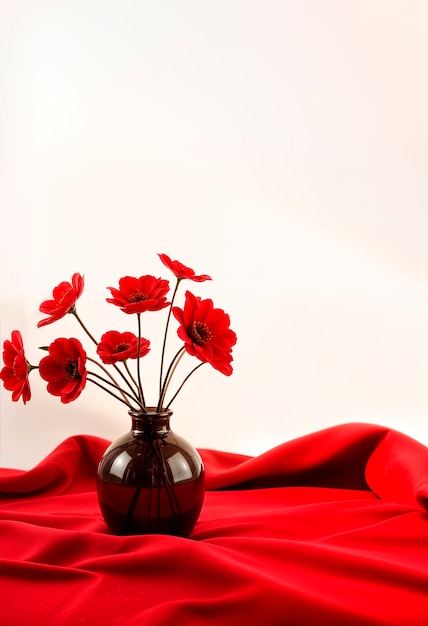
[150, 422]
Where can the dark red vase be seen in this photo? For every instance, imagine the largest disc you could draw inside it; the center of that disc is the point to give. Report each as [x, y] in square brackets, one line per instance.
[151, 480]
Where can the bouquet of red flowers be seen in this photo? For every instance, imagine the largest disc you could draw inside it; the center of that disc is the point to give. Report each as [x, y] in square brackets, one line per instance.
[205, 331]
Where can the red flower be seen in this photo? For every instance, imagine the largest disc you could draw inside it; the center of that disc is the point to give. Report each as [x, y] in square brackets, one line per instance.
[181, 271]
[15, 371]
[206, 333]
[115, 346]
[137, 295]
[64, 369]
[64, 299]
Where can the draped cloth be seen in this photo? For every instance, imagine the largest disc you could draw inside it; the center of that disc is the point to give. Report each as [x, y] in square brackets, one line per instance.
[330, 528]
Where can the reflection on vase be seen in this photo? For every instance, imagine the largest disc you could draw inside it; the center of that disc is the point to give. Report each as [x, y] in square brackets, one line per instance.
[151, 480]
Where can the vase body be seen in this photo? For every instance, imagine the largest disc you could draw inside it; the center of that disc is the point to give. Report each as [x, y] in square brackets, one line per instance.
[151, 480]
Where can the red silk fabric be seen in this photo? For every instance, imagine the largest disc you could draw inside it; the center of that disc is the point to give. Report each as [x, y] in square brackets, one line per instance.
[330, 528]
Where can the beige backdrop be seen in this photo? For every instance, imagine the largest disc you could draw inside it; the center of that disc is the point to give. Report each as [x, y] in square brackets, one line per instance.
[279, 146]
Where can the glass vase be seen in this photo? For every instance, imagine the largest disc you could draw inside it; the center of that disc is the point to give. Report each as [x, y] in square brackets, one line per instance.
[150, 480]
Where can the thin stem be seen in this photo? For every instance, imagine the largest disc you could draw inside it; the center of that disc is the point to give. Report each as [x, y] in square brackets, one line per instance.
[73, 311]
[145, 460]
[119, 371]
[126, 366]
[107, 373]
[124, 394]
[182, 385]
[128, 404]
[173, 501]
[140, 386]
[165, 335]
[168, 377]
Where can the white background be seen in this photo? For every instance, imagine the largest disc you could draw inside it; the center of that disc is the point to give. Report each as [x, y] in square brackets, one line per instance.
[280, 146]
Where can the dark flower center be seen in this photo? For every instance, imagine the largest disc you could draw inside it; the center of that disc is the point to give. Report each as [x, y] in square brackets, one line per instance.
[72, 369]
[199, 333]
[137, 296]
[121, 347]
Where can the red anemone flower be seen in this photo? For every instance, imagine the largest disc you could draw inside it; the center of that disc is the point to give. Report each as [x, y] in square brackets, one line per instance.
[181, 271]
[137, 295]
[64, 369]
[65, 296]
[115, 346]
[206, 333]
[15, 371]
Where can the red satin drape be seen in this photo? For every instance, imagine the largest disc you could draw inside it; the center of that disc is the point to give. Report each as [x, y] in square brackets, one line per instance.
[331, 528]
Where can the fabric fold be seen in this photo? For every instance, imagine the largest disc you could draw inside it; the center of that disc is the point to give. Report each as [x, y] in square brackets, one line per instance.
[350, 456]
[330, 529]
[397, 470]
[71, 466]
